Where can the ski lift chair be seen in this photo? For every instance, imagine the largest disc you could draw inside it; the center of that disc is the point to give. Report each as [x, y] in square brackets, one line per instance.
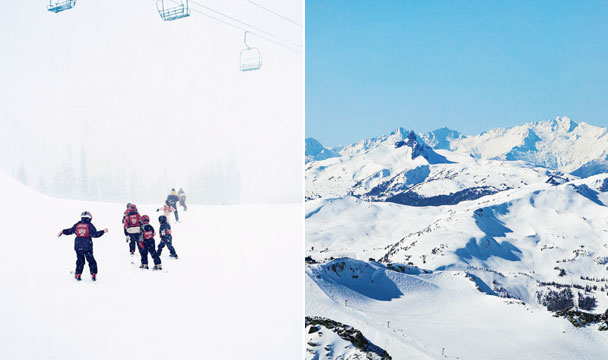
[250, 58]
[60, 5]
[181, 10]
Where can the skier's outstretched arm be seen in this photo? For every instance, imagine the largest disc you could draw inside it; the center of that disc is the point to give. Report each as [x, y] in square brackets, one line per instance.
[69, 231]
[95, 233]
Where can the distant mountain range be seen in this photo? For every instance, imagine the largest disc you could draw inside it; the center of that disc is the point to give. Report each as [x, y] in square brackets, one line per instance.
[559, 144]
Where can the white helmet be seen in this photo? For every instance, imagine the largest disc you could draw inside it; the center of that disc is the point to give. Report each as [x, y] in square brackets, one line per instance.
[86, 214]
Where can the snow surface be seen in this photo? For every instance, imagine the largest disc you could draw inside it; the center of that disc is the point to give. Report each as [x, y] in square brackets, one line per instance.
[325, 344]
[443, 311]
[223, 298]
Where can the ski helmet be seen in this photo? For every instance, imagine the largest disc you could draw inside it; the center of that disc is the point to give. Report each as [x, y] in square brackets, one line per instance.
[132, 207]
[86, 214]
[145, 219]
[162, 219]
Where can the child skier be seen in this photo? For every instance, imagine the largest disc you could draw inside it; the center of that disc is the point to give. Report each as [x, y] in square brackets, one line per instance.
[165, 237]
[146, 244]
[83, 245]
[168, 209]
[132, 227]
[124, 215]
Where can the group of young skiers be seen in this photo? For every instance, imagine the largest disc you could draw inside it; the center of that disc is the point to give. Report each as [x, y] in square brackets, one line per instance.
[137, 229]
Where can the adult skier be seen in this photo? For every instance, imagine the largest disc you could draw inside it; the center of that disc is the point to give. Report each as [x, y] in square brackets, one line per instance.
[83, 245]
[172, 200]
[132, 228]
[182, 198]
[146, 244]
[166, 238]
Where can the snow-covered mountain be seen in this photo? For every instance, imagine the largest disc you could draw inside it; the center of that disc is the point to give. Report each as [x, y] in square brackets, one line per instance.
[527, 251]
[435, 253]
[315, 151]
[561, 144]
[441, 138]
[402, 168]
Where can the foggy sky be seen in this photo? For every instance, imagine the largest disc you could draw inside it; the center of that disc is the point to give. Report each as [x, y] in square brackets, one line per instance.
[140, 94]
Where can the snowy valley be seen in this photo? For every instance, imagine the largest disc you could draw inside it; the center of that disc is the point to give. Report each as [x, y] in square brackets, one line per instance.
[444, 246]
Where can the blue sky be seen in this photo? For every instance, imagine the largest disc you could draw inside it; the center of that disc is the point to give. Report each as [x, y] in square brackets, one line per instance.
[372, 66]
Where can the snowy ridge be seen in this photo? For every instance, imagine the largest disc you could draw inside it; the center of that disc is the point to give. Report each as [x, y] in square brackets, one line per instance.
[329, 339]
[403, 169]
[314, 151]
[561, 144]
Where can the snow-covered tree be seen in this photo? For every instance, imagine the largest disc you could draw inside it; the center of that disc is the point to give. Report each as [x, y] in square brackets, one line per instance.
[21, 174]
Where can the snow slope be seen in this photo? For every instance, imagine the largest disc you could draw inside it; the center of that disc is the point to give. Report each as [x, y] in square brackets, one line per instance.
[223, 298]
[441, 315]
[513, 245]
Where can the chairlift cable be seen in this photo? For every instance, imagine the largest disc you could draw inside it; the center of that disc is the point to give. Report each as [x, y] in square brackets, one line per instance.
[244, 29]
[244, 23]
[275, 13]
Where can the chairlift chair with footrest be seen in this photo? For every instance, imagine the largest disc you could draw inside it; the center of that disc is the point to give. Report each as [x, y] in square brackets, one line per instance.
[60, 5]
[170, 13]
[250, 58]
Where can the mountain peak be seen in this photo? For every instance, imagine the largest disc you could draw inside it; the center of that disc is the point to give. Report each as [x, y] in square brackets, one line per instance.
[316, 151]
[441, 138]
[420, 148]
[563, 123]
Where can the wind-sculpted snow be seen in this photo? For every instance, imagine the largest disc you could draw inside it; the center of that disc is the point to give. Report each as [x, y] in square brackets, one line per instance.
[488, 247]
[486, 219]
[593, 167]
[358, 276]
[589, 193]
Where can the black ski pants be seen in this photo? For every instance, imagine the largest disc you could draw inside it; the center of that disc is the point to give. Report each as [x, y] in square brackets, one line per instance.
[147, 247]
[81, 255]
[169, 246]
[133, 239]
